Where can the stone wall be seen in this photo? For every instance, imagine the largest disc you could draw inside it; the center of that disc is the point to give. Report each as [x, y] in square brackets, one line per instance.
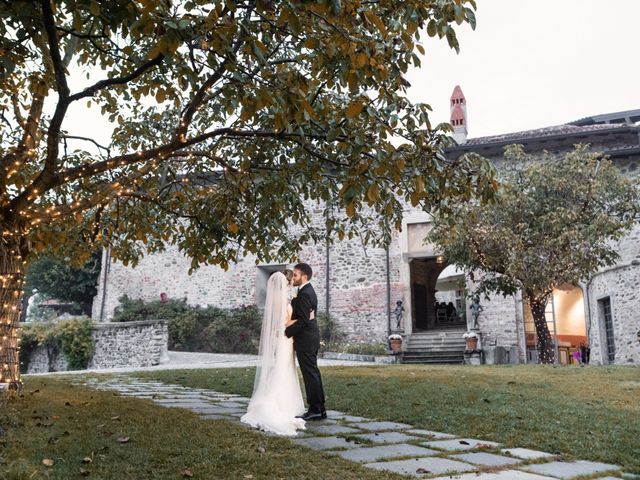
[357, 294]
[621, 286]
[131, 344]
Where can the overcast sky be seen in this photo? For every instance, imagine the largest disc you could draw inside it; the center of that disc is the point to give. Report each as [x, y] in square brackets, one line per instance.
[528, 64]
[536, 63]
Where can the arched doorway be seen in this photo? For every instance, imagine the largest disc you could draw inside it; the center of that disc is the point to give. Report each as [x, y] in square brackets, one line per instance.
[566, 307]
[437, 294]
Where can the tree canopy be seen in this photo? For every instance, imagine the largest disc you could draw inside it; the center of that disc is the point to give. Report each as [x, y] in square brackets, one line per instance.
[553, 222]
[231, 118]
[229, 115]
[57, 278]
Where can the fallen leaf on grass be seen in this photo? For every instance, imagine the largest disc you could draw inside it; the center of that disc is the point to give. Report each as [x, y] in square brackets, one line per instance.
[87, 460]
[187, 473]
[102, 425]
[123, 439]
[260, 449]
[84, 473]
[248, 476]
[47, 462]
[484, 445]
[117, 417]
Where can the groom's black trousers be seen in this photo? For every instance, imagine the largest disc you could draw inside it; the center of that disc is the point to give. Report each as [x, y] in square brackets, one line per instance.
[308, 362]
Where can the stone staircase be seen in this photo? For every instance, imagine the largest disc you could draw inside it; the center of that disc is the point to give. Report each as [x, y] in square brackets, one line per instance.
[444, 346]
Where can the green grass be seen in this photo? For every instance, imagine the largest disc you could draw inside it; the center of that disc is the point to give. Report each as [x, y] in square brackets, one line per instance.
[590, 413]
[65, 423]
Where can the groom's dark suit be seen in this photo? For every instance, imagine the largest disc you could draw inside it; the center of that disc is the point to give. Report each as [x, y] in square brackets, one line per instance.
[306, 341]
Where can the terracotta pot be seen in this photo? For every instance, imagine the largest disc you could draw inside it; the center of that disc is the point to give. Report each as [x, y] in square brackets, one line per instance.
[472, 343]
[396, 346]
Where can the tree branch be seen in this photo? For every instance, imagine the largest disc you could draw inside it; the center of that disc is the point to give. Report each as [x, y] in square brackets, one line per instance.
[90, 91]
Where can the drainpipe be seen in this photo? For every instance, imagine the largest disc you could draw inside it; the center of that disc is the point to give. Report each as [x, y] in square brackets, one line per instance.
[327, 269]
[388, 292]
[105, 267]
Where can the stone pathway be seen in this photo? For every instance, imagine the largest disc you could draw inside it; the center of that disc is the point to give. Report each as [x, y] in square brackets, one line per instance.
[390, 446]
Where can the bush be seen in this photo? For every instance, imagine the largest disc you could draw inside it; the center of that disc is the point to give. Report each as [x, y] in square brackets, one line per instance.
[329, 329]
[195, 329]
[71, 337]
[366, 348]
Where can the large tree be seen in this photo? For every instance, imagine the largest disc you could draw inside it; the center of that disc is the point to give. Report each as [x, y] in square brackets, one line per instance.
[58, 278]
[231, 117]
[554, 222]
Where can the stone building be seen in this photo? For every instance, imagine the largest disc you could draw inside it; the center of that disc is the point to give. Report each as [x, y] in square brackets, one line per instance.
[361, 286]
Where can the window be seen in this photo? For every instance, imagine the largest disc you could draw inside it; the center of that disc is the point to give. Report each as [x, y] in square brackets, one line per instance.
[604, 307]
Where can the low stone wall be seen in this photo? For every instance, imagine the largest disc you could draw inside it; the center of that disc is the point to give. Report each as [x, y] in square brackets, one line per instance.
[354, 357]
[129, 344]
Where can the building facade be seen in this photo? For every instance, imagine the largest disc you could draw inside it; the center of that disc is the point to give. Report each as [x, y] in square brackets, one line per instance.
[361, 286]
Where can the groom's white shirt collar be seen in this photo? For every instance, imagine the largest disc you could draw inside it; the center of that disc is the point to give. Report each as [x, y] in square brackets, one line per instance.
[303, 285]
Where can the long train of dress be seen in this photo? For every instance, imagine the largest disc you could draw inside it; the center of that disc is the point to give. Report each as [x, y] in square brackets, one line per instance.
[278, 400]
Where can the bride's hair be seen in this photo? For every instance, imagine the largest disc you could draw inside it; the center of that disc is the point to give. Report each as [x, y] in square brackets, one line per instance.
[288, 273]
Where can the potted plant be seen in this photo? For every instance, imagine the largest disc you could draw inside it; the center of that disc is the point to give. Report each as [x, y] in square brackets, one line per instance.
[395, 341]
[472, 340]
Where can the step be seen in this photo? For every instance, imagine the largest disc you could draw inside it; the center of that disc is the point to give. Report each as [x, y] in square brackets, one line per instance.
[422, 353]
[450, 359]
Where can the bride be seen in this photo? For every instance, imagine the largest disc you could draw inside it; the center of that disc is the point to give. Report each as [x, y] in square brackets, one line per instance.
[276, 398]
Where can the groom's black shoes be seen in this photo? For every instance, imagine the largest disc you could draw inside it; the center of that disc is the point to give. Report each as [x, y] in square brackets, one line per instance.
[313, 416]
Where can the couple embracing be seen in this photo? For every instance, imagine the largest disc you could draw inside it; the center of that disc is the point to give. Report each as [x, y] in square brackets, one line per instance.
[289, 329]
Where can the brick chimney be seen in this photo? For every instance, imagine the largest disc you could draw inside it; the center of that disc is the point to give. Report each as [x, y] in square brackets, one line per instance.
[459, 115]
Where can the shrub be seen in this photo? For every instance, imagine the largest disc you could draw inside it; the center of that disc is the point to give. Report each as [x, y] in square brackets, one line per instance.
[71, 337]
[366, 348]
[329, 329]
[196, 329]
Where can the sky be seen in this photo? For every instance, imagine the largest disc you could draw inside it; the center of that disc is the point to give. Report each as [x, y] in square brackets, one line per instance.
[535, 63]
[529, 64]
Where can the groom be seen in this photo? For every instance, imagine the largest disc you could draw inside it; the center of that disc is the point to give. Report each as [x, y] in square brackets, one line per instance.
[306, 340]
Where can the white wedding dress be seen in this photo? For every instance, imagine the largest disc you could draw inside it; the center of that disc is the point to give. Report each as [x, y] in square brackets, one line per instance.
[276, 398]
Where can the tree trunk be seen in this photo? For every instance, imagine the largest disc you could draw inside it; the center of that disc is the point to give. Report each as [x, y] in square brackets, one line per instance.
[546, 348]
[12, 254]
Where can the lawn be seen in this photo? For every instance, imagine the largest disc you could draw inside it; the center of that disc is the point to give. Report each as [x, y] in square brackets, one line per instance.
[96, 434]
[590, 413]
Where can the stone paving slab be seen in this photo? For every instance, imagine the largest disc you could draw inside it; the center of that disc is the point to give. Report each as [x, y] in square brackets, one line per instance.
[566, 470]
[217, 416]
[345, 417]
[503, 475]
[453, 445]
[526, 454]
[184, 400]
[430, 433]
[325, 443]
[331, 429]
[384, 452]
[486, 459]
[180, 404]
[319, 423]
[229, 404]
[379, 426]
[216, 410]
[419, 467]
[387, 437]
[237, 414]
